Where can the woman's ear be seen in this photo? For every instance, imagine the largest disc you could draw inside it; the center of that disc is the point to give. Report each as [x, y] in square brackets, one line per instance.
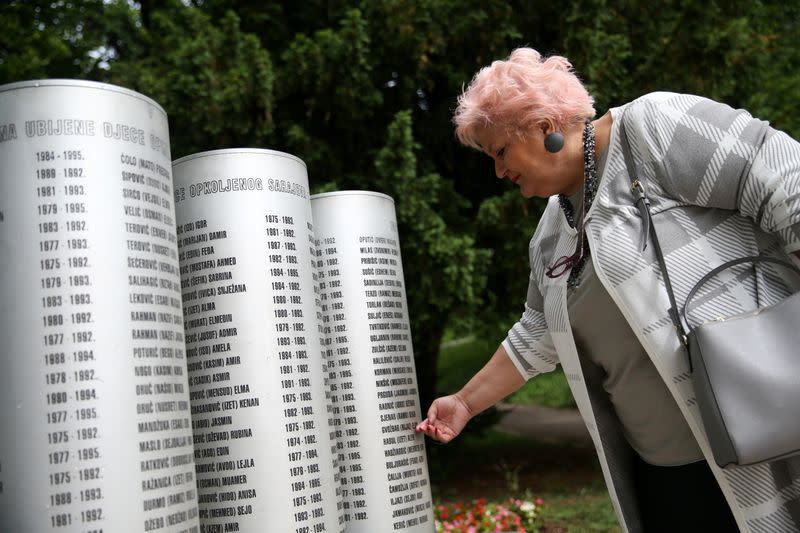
[547, 126]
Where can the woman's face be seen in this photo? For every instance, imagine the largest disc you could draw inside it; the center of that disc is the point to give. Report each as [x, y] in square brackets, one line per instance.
[526, 163]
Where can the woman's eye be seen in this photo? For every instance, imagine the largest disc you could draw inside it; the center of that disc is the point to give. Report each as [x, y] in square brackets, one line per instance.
[501, 152]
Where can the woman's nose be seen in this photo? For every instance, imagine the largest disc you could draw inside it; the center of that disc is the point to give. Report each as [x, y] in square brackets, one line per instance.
[499, 169]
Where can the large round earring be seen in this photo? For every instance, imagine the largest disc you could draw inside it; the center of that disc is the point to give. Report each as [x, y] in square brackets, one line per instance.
[554, 142]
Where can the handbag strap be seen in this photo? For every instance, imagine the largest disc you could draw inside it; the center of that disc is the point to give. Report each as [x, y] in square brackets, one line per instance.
[648, 227]
[679, 319]
[725, 266]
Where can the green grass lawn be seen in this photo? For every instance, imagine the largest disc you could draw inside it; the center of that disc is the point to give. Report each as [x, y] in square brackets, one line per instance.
[588, 511]
[460, 359]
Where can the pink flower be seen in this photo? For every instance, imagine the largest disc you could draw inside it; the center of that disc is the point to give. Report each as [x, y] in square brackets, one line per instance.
[482, 516]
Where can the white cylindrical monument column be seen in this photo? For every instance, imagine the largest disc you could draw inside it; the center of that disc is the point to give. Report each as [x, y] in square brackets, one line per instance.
[94, 403]
[246, 241]
[384, 473]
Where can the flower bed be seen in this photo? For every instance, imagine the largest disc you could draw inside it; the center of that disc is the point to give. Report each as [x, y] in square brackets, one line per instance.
[480, 516]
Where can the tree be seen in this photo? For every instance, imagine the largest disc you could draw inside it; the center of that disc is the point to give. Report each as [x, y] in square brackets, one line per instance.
[444, 270]
[363, 91]
[49, 39]
[215, 81]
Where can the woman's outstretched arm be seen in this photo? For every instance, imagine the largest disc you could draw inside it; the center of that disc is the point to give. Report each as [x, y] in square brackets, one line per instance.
[448, 415]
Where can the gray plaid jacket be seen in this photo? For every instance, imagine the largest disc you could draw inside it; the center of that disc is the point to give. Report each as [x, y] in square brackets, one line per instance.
[722, 185]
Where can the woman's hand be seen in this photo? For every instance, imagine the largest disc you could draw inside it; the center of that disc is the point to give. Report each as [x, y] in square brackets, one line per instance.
[447, 416]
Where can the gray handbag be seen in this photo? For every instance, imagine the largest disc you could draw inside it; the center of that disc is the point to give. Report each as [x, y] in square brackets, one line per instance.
[747, 378]
[745, 368]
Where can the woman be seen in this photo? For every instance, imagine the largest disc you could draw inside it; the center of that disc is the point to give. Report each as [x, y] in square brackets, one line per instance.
[721, 185]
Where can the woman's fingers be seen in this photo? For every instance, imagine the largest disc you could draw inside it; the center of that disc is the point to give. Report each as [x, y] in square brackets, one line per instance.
[433, 426]
[433, 410]
[426, 427]
[439, 431]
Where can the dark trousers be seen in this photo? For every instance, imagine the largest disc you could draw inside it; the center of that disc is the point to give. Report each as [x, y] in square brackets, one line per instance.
[685, 499]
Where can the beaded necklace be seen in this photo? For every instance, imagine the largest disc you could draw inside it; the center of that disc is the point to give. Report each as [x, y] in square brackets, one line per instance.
[574, 263]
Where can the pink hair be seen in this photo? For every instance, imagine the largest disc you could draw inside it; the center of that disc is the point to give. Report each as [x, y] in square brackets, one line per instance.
[517, 94]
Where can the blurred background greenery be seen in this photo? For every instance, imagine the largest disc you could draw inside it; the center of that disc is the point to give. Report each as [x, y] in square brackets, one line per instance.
[363, 92]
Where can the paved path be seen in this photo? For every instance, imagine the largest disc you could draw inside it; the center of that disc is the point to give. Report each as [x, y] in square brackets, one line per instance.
[544, 424]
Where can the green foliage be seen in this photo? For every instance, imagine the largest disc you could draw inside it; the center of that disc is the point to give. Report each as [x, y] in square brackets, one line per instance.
[48, 39]
[363, 91]
[445, 268]
[215, 81]
[335, 64]
[459, 267]
[505, 223]
[325, 87]
[740, 52]
[774, 88]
